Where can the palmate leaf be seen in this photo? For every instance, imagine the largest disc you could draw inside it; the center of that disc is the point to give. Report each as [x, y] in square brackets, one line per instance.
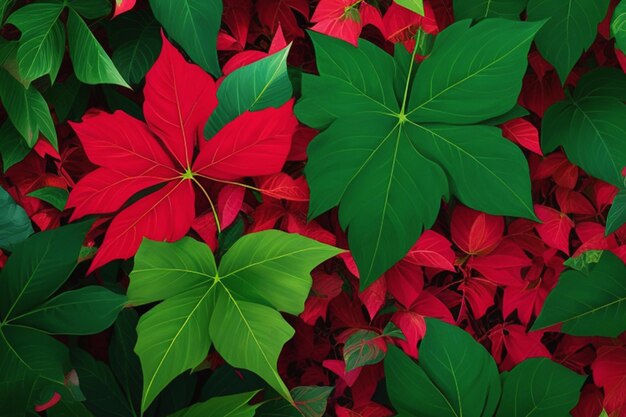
[590, 302]
[235, 306]
[387, 157]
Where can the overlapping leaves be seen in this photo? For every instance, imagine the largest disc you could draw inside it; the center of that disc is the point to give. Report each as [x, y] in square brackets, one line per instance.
[394, 143]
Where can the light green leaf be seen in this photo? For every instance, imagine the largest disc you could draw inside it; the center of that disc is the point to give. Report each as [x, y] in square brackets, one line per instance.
[264, 83]
[539, 387]
[617, 213]
[416, 6]
[455, 376]
[12, 147]
[27, 110]
[91, 64]
[229, 406]
[84, 311]
[618, 25]
[570, 30]
[584, 260]
[38, 267]
[480, 9]
[589, 303]
[136, 41]
[42, 43]
[15, 224]
[591, 126]
[57, 197]
[194, 25]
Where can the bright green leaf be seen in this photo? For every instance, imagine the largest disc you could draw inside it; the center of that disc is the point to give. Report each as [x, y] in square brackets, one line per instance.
[42, 43]
[229, 406]
[194, 25]
[618, 25]
[455, 376]
[570, 30]
[416, 6]
[617, 213]
[264, 83]
[57, 197]
[91, 64]
[588, 303]
[480, 9]
[15, 224]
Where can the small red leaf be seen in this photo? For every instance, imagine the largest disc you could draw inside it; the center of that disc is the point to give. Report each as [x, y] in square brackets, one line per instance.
[523, 133]
[229, 202]
[122, 6]
[475, 232]
[432, 250]
[555, 227]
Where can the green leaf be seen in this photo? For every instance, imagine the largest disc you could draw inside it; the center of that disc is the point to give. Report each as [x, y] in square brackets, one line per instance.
[91, 9]
[617, 213]
[12, 147]
[584, 260]
[4, 6]
[388, 165]
[416, 6]
[68, 409]
[591, 125]
[57, 197]
[38, 267]
[480, 9]
[455, 376]
[588, 303]
[364, 347]
[311, 401]
[245, 326]
[84, 311]
[123, 360]
[264, 83]
[69, 98]
[91, 64]
[42, 43]
[539, 387]
[618, 25]
[15, 224]
[136, 41]
[104, 396]
[27, 110]
[194, 25]
[229, 406]
[570, 30]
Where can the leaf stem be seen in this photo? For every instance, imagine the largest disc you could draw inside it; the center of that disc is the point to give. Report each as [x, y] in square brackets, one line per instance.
[240, 184]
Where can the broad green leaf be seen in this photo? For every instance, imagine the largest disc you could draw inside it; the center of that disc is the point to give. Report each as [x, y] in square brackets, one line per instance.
[387, 165]
[27, 110]
[589, 303]
[618, 25]
[69, 409]
[103, 394]
[539, 387]
[516, 112]
[12, 147]
[202, 305]
[176, 396]
[57, 197]
[480, 9]
[91, 64]
[311, 401]
[42, 43]
[591, 126]
[273, 268]
[123, 360]
[90, 9]
[4, 6]
[455, 376]
[136, 43]
[482, 65]
[38, 267]
[84, 311]
[15, 224]
[264, 83]
[416, 6]
[364, 347]
[69, 98]
[226, 380]
[570, 30]
[229, 406]
[617, 213]
[194, 25]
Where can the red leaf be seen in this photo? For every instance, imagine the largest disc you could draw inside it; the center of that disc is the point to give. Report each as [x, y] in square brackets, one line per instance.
[255, 143]
[206, 228]
[432, 250]
[325, 288]
[146, 218]
[229, 202]
[338, 18]
[555, 227]
[122, 6]
[519, 345]
[573, 202]
[179, 97]
[367, 410]
[374, 296]
[475, 232]
[339, 368]
[609, 372]
[404, 282]
[283, 187]
[523, 133]
[274, 12]
[413, 327]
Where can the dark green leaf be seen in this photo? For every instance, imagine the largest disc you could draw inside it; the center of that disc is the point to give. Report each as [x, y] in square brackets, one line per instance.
[230, 406]
[57, 197]
[69, 409]
[617, 213]
[311, 401]
[124, 362]
[227, 380]
[539, 387]
[194, 25]
[480, 9]
[69, 98]
[264, 83]
[91, 9]
[364, 347]
[618, 25]
[15, 224]
[570, 29]
[589, 303]
[12, 147]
